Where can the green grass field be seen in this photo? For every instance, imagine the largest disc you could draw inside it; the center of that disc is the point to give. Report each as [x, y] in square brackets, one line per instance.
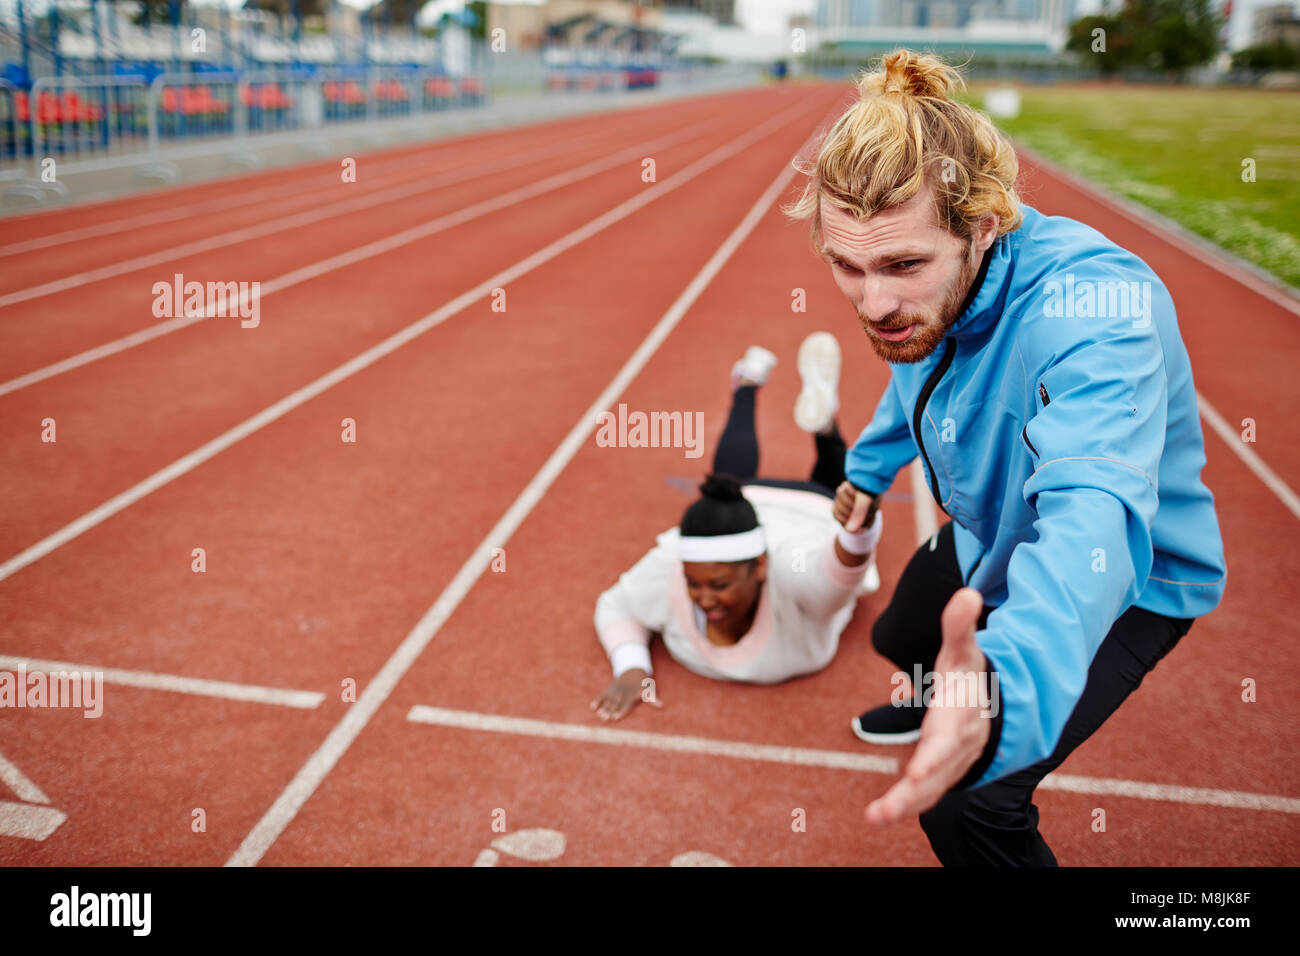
[1180, 152]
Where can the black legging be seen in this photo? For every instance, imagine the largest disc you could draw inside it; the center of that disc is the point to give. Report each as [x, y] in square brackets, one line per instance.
[737, 452]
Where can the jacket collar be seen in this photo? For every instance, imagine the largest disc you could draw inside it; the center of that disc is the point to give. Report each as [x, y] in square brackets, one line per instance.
[983, 304]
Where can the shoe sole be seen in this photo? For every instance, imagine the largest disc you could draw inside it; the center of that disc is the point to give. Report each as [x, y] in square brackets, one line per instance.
[907, 737]
[819, 364]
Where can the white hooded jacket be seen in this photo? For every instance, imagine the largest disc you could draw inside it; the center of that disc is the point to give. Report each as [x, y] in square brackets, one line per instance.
[803, 607]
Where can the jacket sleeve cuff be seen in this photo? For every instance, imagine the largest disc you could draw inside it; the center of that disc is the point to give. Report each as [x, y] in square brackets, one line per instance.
[985, 759]
[867, 491]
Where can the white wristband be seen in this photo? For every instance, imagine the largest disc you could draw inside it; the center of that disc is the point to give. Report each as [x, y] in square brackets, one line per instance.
[628, 656]
[864, 541]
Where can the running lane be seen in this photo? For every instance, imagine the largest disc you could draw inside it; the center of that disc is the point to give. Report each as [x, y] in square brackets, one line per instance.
[44, 323]
[320, 553]
[133, 233]
[282, 180]
[521, 645]
[125, 416]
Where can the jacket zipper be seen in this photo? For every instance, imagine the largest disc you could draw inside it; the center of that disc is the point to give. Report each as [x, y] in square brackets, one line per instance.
[949, 352]
[1024, 432]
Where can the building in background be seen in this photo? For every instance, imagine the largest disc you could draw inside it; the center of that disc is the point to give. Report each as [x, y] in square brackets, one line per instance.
[864, 14]
[1033, 28]
[530, 24]
[722, 12]
[1275, 24]
[716, 35]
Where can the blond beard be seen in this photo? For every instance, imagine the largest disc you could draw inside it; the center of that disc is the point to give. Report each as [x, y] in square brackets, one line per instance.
[929, 331]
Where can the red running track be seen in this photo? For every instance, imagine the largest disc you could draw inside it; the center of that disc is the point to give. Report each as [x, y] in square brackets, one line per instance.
[331, 564]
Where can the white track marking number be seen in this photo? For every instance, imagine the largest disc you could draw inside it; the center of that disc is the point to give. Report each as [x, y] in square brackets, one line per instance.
[540, 845]
[537, 845]
[33, 819]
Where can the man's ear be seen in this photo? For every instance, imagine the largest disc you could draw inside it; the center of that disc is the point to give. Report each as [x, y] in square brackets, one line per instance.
[986, 232]
[760, 568]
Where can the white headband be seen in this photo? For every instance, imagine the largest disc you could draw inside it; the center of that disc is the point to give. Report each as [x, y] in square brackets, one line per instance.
[722, 547]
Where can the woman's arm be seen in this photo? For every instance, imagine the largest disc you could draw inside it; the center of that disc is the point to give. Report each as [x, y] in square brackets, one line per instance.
[826, 576]
[627, 615]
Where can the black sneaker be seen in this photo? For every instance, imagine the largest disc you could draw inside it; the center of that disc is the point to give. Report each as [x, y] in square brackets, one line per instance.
[890, 724]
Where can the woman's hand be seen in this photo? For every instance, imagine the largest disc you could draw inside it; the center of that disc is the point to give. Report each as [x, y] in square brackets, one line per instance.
[854, 509]
[623, 694]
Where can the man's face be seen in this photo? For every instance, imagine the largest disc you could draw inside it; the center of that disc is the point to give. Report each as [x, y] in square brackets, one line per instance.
[904, 274]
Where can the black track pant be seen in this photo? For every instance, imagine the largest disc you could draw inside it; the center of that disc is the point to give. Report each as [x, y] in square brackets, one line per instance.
[997, 824]
[737, 453]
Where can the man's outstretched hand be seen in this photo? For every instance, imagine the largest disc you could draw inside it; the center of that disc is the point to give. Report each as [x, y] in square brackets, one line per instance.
[952, 736]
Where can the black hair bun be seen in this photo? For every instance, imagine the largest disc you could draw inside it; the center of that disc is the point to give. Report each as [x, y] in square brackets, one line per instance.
[721, 509]
[722, 488]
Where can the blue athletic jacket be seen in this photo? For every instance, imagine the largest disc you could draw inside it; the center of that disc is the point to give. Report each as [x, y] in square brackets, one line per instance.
[1057, 425]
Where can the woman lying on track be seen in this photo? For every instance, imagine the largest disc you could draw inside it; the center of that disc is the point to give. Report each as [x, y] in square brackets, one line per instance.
[760, 580]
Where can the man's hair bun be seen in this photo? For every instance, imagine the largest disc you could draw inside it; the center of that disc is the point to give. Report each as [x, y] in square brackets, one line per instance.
[911, 74]
[905, 133]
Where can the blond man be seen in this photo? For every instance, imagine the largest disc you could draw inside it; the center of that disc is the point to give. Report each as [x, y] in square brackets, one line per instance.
[1037, 372]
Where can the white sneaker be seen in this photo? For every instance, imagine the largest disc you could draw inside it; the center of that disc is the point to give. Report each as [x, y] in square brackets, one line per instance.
[753, 368]
[819, 367]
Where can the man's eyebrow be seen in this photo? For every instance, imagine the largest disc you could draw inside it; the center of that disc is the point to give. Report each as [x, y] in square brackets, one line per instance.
[890, 256]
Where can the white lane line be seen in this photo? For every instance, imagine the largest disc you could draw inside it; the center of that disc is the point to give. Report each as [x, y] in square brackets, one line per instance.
[1232, 438]
[374, 171]
[923, 504]
[802, 756]
[17, 781]
[376, 163]
[303, 699]
[351, 257]
[29, 822]
[158, 217]
[1198, 796]
[834, 759]
[1180, 237]
[299, 219]
[309, 777]
[389, 345]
